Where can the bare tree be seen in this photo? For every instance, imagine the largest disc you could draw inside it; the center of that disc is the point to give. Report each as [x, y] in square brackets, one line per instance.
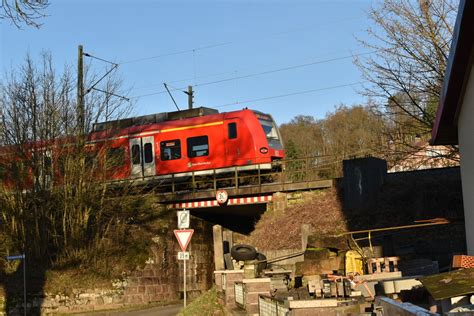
[23, 11]
[52, 191]
[405, 75]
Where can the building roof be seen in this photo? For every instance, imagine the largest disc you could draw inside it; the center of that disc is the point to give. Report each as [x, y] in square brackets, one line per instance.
[461, 57]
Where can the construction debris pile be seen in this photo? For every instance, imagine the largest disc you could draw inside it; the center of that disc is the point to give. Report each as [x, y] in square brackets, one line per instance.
[344, 275]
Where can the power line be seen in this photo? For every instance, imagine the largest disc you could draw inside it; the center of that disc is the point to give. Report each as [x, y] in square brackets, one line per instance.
[111, 93]
[193, 50]
[101, 59]
[293, 93]
[200, 77]
[261, 73]
[283, 69]
[175, 53]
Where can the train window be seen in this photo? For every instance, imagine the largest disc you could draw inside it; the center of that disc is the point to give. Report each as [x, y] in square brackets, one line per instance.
[60, 164]
[232, 130]
[3, 171]
[198, 146]
[136, 154]
[18, 169]
[148, 152]
[170, 149]
[47, 164]
[115, 157]
[90, 161]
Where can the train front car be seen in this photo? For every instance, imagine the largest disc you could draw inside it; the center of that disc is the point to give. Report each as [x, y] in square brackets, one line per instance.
[274, 145]
[201, 141]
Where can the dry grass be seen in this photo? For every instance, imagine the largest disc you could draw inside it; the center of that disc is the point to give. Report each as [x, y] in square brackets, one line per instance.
[206, 304]
[322, 210]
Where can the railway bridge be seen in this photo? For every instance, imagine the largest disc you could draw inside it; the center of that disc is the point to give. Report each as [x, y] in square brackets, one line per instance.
[244, 187]
[246, 193]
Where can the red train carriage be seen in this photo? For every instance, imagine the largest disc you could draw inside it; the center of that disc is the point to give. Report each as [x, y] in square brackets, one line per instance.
[176, 144]
[199, 139]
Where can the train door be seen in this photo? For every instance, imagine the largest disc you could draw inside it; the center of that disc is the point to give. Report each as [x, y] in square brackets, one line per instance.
[232, 142]
[142, 157]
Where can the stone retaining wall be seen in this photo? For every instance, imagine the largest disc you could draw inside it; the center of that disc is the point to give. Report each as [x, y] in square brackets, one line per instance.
[159, 280]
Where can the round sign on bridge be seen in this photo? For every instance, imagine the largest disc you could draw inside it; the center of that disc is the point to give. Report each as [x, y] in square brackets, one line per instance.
[222, 197]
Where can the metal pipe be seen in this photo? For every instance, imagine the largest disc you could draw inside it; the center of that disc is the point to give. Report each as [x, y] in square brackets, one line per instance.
[296, 254]
[439, 221]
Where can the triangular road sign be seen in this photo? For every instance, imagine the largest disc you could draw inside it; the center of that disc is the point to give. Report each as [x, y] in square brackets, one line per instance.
[184, 237]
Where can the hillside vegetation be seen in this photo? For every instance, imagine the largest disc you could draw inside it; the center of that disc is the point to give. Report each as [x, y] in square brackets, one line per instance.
[282, 230]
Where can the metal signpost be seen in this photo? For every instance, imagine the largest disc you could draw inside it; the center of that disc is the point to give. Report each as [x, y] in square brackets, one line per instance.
[183, 235]
[21, 257]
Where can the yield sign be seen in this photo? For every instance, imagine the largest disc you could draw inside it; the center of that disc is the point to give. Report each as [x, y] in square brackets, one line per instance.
[184, 237]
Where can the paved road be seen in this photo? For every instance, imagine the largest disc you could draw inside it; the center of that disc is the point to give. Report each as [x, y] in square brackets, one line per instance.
[169, 310]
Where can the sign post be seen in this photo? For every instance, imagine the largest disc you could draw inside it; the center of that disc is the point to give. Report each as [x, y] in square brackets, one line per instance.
[21, 257]
[184, 282]
[184, 237]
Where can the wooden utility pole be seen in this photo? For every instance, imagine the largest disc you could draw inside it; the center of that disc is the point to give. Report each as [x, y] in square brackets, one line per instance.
[190, 97]
[80, 91]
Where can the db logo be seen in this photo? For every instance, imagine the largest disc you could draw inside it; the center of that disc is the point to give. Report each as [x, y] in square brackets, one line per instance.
[222, 197]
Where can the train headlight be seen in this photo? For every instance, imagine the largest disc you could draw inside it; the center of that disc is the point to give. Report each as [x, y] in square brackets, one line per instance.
[264, 150]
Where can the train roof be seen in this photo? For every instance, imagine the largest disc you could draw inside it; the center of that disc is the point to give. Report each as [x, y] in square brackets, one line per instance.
[153, 119]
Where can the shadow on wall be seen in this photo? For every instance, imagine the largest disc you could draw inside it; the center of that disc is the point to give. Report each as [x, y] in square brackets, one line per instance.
[14, 288]
[374, 199]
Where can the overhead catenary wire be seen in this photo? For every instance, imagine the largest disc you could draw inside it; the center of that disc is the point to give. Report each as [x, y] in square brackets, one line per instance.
[261, 73]
[205, 47]
[235, 71]
[111, 93]
[101, 59]
[283, 69]
[93, 86]
[292, 93]
[186, 51]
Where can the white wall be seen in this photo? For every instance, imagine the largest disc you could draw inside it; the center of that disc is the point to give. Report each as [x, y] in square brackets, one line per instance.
[466, 147]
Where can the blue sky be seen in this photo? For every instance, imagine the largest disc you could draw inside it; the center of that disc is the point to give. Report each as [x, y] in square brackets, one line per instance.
[206, 41]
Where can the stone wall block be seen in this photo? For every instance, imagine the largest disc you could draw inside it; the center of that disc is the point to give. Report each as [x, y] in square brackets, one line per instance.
[135, 299]
[150, 289]
[131, 290]
[251, 309]
[233, 277]
[133, 281]
[252, 298]
[257, 287]
[148, 280]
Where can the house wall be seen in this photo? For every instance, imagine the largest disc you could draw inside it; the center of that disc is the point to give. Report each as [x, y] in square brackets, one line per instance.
[466, 147]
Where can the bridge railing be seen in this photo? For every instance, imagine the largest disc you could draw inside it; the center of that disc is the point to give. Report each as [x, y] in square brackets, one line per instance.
[282, 171]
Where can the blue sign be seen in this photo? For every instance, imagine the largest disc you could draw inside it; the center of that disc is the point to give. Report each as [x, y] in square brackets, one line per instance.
[19, 257]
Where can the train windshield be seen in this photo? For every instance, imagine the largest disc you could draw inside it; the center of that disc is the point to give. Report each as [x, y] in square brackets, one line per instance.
[271, 131]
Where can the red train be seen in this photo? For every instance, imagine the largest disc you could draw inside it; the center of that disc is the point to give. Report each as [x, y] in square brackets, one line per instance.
[166, 145]
[200, 140]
